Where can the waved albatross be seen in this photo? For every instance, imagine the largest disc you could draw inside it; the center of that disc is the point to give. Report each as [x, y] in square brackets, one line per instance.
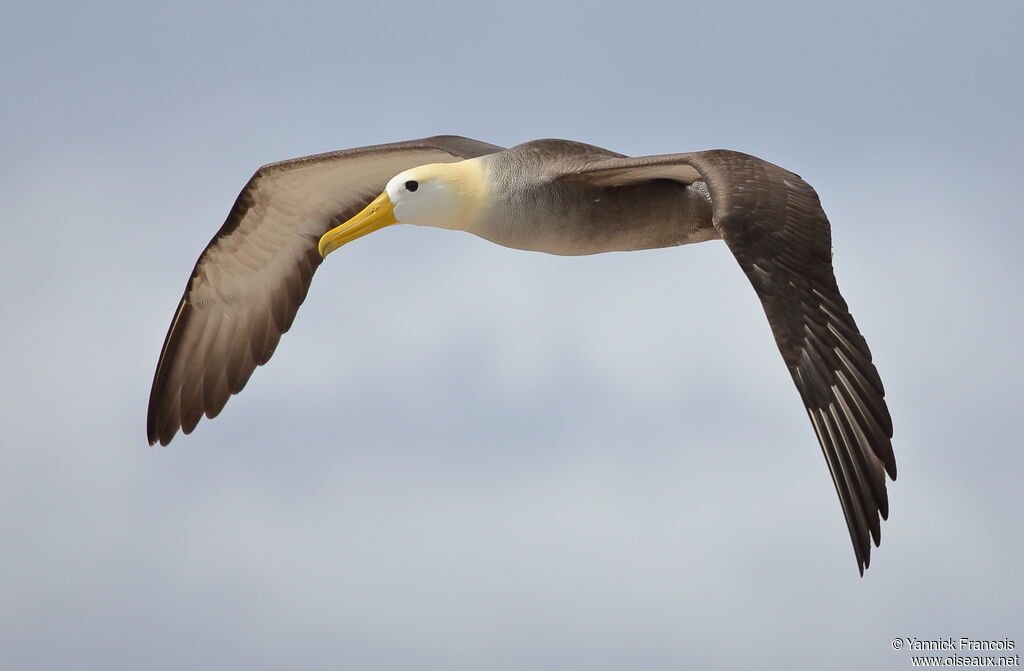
[552, 196]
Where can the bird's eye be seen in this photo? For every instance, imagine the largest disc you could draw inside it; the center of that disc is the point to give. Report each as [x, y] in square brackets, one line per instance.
[412, 185]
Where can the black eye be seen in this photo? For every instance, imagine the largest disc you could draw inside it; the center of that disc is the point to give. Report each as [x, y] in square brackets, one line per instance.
[412, 185]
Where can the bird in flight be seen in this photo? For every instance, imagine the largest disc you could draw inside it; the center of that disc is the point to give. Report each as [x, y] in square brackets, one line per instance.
[553, 196]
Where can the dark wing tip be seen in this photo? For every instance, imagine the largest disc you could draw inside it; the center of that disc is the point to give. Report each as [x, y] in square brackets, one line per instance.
[160, 425]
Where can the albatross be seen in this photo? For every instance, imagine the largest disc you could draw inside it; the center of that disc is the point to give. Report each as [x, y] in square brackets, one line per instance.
[554, 196]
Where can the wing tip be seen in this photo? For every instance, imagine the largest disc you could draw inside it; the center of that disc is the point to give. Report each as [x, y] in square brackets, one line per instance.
[157, 435]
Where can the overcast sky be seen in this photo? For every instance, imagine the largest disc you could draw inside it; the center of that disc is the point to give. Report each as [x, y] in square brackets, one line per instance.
[469, 457]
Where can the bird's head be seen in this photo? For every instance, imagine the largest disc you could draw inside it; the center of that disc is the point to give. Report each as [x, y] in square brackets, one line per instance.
[442, 195]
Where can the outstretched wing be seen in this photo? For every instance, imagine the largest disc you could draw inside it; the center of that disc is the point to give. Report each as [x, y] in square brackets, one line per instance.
[773, 223]
[250, 280]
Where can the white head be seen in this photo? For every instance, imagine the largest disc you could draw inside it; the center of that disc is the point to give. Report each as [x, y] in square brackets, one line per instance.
[430, 195]
[442, 195]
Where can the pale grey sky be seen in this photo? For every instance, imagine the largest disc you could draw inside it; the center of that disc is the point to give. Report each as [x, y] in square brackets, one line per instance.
[468, 457]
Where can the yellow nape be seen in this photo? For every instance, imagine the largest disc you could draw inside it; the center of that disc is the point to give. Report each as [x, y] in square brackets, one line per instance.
[466, 183]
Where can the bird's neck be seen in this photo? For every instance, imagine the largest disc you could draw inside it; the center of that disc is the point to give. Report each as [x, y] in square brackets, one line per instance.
[469, 190]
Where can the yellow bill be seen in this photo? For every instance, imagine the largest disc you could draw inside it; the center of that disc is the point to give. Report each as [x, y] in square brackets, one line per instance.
[375, 216]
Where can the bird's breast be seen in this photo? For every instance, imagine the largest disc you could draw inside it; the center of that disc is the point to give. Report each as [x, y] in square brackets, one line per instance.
[572, 219]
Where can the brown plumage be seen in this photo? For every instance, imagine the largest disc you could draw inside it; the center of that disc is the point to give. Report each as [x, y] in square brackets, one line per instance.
[252, 277]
